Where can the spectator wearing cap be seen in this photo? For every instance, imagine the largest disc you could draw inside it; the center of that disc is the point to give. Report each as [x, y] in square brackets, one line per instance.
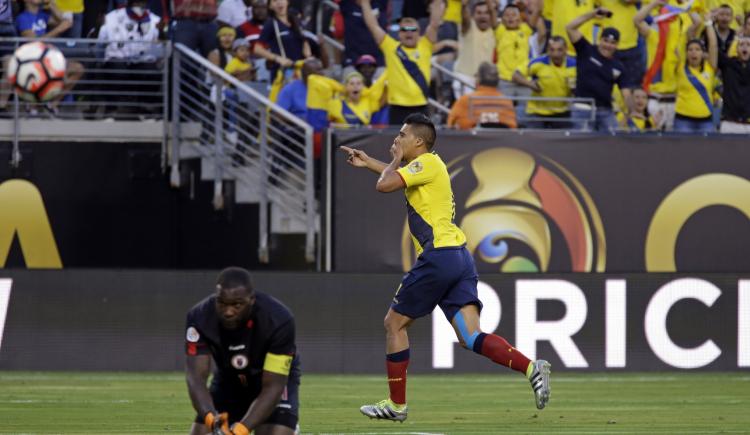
[476, 41]
[597, 71]
[232, 13]
[512, 51]
[357, 42]
[552, 75]
[367, 66]
[628, 52]
[407, 61]
[240, 66]
[486, 107]
[735, 72]
[194, 24]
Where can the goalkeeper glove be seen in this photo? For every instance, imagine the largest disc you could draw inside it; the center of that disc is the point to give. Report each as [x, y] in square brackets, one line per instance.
[240, 429]
[218, 423]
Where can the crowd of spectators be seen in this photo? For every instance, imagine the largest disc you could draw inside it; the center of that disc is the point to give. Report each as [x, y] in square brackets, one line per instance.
[668, 65]
[605, 65]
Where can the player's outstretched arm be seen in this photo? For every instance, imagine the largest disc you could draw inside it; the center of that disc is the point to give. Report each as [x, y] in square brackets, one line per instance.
[272, 388]
[197, 369]
[360, 159]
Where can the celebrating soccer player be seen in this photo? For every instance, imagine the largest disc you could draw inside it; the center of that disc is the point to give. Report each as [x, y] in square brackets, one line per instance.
[444, 273]
[250, 336]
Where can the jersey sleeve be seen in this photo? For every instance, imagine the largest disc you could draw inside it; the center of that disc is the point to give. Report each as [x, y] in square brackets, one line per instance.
[281, 350]
[420, 171]
[195, 343]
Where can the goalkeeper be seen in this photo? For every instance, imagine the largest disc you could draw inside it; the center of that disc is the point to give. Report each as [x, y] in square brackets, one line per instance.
[250, 338]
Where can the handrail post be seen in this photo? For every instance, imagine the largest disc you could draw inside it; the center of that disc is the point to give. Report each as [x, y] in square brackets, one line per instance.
[218, 200]
[309, 197]
[165, 104]
[263, 255]
[174, 175]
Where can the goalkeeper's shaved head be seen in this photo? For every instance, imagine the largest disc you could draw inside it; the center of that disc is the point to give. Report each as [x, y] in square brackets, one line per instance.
[423, 128]
[233, 277]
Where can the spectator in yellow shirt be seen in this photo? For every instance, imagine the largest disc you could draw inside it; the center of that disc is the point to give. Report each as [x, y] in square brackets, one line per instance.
[407, 61]
[695, 86]
[512, 50]
[240, 66]
[551, 76]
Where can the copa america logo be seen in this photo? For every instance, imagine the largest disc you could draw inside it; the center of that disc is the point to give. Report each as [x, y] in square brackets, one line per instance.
[525, 213]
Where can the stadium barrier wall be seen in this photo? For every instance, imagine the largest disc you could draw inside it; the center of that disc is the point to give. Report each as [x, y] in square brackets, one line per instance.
[559, 203]
[134, 320]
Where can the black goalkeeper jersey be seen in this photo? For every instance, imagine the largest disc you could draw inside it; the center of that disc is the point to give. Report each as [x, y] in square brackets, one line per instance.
[239, 355]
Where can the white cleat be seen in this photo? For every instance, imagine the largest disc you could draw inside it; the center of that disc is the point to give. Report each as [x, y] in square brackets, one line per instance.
[540, 382]
[385, 410]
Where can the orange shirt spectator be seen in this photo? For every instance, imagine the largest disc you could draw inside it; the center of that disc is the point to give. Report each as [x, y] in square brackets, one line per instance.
[483, 107]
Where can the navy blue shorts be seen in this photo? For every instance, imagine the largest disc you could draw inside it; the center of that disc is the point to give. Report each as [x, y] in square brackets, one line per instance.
[443, 276]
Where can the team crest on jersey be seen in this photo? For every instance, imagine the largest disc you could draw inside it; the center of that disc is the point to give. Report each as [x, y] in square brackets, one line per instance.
[415, 167]
[239, 361]
[192, 335]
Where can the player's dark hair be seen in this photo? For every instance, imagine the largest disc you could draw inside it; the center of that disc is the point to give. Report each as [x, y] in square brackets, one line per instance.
[233, 277]
[511, 6]
[423, 128]
[725, 6]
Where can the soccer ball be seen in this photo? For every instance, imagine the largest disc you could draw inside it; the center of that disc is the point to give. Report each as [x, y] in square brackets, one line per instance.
[37, 71]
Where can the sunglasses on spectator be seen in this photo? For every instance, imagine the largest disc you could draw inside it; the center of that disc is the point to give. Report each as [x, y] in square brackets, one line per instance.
[409, 28]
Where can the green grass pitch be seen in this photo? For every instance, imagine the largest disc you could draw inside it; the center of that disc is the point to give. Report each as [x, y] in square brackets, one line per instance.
[134, 403]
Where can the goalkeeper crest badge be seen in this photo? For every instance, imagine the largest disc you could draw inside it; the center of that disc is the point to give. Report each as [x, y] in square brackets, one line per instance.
[239, 361]
[415, 167]
[192, 335]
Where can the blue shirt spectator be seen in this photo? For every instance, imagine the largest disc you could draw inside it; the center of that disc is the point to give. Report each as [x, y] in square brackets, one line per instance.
[357, 40]
[293, 97]
[37, 22]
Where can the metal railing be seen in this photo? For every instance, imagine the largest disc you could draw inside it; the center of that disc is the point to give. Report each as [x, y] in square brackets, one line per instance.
[106, 85]
[248, 138]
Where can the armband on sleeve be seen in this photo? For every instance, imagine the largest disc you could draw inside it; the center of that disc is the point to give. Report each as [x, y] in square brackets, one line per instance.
[279, 364]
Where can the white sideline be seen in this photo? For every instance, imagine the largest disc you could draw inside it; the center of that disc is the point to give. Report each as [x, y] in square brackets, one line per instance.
[5, 285]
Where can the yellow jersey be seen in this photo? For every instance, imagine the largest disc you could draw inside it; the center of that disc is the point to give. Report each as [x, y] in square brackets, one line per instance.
[512, 48]
[694, 90]
[635, 124]
[622, 20]
[662, 76]
[453, 11]
[237, 65]
[75, 6]
[346, 112]
[555, 81]
[429, 203]
[401, 66]
[565, 11]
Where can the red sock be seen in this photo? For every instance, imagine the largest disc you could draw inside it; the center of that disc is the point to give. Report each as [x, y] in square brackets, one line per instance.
[500, 351]
[396, 364]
